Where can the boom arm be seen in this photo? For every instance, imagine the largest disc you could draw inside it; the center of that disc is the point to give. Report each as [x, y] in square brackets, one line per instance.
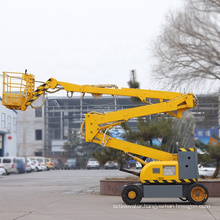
[172, 103]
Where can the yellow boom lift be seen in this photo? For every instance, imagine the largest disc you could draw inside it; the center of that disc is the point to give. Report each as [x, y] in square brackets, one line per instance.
[170, 175]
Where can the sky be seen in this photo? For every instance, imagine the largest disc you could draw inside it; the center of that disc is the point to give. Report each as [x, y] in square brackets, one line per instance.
[82, 41]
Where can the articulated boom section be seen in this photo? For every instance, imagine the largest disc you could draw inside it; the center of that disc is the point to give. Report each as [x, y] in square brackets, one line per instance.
[94, 122]
[132, 148]
[19, 95]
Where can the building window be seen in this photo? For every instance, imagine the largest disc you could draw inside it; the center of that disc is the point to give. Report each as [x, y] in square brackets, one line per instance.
[38, 154]
[14, 125]
[3, 121]
[0, 142]
[9, 123]
[38, 113]
[38, 135]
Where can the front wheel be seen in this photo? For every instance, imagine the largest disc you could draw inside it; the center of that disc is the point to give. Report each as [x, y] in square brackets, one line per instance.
[132, 195]
[197, 194]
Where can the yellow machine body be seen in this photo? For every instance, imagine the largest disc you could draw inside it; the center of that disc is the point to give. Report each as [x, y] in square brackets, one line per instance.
[161, 171]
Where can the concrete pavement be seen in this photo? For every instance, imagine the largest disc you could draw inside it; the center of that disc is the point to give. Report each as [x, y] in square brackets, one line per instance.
[92, 206]
[61, 195]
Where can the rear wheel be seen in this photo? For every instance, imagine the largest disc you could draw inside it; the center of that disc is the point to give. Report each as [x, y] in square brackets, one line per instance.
[132, 195]
[197, 194]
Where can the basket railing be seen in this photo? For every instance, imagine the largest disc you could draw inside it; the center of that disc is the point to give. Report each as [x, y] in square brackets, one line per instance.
[17, 89]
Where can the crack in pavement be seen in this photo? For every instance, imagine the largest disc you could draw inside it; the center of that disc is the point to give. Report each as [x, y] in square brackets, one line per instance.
[33, 211]
[211, 214]
[26, 214]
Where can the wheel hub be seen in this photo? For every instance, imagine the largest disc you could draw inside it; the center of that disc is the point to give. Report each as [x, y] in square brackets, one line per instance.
[132, 194]
[198, 194]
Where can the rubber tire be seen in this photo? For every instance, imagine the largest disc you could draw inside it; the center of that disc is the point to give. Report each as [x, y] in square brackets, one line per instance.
[136, 189]
[189, 197]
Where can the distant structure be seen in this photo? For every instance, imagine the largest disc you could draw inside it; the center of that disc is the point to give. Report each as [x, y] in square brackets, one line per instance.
[8, 131]
[43, 131]
[31, 132]
[207, 117]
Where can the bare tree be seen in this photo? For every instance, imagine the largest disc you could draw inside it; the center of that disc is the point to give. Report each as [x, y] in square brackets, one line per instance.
[188, 49]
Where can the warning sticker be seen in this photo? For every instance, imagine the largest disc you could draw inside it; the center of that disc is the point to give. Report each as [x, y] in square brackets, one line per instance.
[169, 170]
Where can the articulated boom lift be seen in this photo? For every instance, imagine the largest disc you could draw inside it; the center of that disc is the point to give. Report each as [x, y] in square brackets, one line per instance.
[171, 175]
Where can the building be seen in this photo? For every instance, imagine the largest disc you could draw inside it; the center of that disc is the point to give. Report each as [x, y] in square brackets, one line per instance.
[63, 114]
[8, 131]
[44, 131]
[207, 117]
[31, 132]
[206, 112]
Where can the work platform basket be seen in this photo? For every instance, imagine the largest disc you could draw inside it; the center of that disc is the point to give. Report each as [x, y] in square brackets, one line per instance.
[17, 89]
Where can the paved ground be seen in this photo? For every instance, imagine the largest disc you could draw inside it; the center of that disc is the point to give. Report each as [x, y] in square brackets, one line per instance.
[69, 195]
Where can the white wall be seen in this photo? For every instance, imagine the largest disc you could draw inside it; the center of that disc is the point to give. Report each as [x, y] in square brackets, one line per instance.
[28, 124]
[8, 130]
[57, 145]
